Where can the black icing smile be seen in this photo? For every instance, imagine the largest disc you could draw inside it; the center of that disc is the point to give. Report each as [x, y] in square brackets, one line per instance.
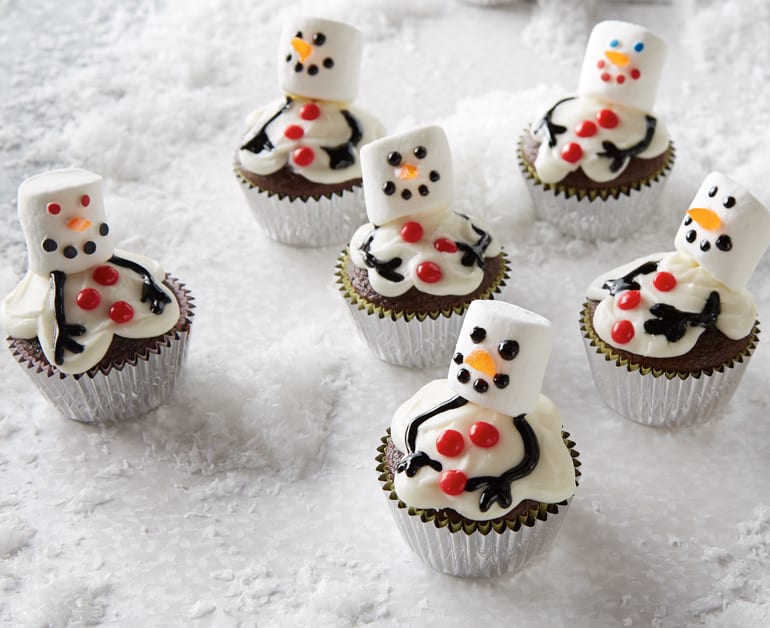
[395, 159]
[723, 242]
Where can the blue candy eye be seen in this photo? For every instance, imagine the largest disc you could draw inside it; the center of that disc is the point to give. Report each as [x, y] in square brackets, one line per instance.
[638, 46]
[614, 43]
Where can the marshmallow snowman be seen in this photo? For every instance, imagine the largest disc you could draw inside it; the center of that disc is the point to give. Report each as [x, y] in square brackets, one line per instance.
[726, 230]
[501, 356]
[622, 65]
[407, 174]
[320, 59]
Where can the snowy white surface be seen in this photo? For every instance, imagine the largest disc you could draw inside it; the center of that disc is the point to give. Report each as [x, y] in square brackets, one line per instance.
[252, 499]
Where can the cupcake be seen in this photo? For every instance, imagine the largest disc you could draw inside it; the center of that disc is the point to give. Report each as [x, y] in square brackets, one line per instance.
[476, 468]
[102, 332]
[669, 335]
[298, 162]
[595, 163]
[410, 273]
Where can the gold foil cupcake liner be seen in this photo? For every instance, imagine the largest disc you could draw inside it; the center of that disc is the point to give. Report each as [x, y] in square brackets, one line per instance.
[312, 222]
[602, 214]
[656, 397]
[419, 340]
[475, 548]
[123, 391]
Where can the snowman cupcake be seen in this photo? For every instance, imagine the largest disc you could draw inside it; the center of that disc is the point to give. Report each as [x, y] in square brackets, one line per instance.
[669, 336]
[595, 163]
[477, 470]
[298, 162]
[102, 332]
[410, 273]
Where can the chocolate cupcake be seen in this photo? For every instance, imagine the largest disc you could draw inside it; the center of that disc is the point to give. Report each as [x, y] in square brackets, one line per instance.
[477, 470]
[102, 332]
[595, 163]
[298, 162]
[410, 274]
[669, 335]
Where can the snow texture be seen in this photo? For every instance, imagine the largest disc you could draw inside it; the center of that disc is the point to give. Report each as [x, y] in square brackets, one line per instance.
[252, 500]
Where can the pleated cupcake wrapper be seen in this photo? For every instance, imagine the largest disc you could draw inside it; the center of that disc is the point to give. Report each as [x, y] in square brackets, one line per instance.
[478, 548]
[661, 398]
[421, 340]
[312, 222]
[596, 214]
[120, 392]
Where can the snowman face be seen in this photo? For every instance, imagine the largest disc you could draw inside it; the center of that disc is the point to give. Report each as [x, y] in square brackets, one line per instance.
[622, 65]
[406, 174]
[320, 59]
[726, 230]
[500, 358]
[62, 216]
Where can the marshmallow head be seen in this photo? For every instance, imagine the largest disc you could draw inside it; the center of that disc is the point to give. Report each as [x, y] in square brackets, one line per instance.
[407, 174]
[320, 59]
[622, 65]
[726, 230]
[62, 217]
[500, 358]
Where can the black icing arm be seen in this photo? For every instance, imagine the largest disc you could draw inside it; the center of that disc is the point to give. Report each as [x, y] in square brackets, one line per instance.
[474, 253]
[151, 290]
[620, 155]
[552, 130]
[63, 332]
[386, 269]
[261, 141]
[673, 323]
[626, 282]
[344, 155]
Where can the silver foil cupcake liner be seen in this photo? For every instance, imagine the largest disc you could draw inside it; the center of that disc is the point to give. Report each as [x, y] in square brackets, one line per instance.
[314, 222]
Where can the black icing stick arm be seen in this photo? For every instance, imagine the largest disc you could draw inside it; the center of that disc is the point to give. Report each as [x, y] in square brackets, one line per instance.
[673, 323]
[344, 155]
[386, 269]
[627, 281]
[151, 290]
[619, 156]
[261, 141]
[63, 333]
[552, 130]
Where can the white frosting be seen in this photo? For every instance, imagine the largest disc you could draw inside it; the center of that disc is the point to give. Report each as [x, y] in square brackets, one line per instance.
[329, 130]
[552, 480]
[692, 288]
[731, 225]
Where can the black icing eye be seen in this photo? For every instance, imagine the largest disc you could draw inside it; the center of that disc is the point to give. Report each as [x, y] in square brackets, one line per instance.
[319, 39]
[687, 220]
[690, 236]
[729, 202]
[49, 245]
[288, 58]
[713, 191]
[501, 380]
[724, 243]
[478, 334]
[389, 188]
[480, 386]
[312, 70]
[458, 358]
[705, 245]
[104, 229]
[423, 190]
[69, 252]
[298, 67]
[298, 35]
[406, 194]
[420, 152]
[89, 248]
[508, 349]
[328, 63]
[463, 376]
[434, 176]
[394, 158]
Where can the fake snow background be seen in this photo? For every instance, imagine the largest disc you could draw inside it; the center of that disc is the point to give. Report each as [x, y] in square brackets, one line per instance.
[252, 499]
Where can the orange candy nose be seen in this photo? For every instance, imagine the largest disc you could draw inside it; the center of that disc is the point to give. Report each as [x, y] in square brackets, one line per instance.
[481, 361]
[78, 224]
[706, 218]
[619, 59]
[408, 171]
[302, 48]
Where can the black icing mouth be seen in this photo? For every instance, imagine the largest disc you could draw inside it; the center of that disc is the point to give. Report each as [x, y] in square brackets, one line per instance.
[723, 242]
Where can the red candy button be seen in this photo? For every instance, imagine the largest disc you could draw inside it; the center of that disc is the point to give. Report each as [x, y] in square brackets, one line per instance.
[483, 434]
[303, 156]
[54, 208]
[429, 272]
[622, 332]
[664, 281]
[629, 299]
[310, 111]
[586, 129]
[572, 152]
[121, 312]
[445, 245]
[87, 299]
[294, 131]
[411, 231]
[453, 482]
[607, 119]
[450, 443]
[106, 275]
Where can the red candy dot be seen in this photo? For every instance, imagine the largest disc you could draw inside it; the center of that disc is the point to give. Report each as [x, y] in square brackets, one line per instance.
[620, 79]
[586, 129]
[605, 76]
[629, 299]
[85, 200]
[664, 281]
[572, 152]
[121, 312]
[429, 272]
[106, 275]
[453, 482]
[445, 245]
[607, 119]
[309, 111]
[88, 299]
[622, 332]
[635, 74]
[294, 132]
[411, 231]
[450, 443]
[53, 208]
[303, 156]
[600, 64]
[483, 434]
